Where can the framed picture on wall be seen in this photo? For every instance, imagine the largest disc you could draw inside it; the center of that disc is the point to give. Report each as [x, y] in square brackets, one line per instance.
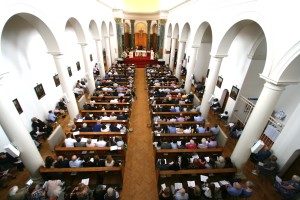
[78, 65]
[234, 92]
[91, 57]
[56, 80]
[219, 81]
[39, 90]
[70, 71]
[18, 106]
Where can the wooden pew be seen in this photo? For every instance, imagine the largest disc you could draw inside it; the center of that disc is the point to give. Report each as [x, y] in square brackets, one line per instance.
[65, 174]
[102, 152]
[101, 112]
[171, 154]
[180, 136]
[91, 123]
[184, 124]
[197, 171]
[96, 135]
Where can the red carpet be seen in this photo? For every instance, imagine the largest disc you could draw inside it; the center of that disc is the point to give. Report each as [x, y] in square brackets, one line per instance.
[139, 61]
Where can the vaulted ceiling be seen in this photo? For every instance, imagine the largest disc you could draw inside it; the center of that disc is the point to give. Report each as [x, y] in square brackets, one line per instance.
[143, 6]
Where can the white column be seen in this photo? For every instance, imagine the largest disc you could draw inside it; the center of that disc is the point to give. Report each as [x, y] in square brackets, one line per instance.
[112, 47]
[88, 69]
[18, 135]
[66, 85]
[190, 69]
[256, 123]
[214, 66]
[108, 57]
[173, 44]
[100, 57]
[179, 58]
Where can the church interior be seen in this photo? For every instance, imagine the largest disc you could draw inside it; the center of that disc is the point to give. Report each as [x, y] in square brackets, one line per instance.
[147, 75]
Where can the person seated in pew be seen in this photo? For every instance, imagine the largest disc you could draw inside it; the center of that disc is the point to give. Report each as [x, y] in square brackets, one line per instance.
[87, 116]
[97, 127]
[113, 128]
[75, 162]
[187, 130]
[49, 162]
[228, 163]
[85, 128]
[182, 144]
[173, 144]
[211, 142]
[40, 127]
[199, 117]
[61, 162]
[101, 142]
[270, 167]
[220, 162]
[165, 144]
[288, 189]
[99, 192]
[51, 116]
[203, 144]
[62, 104]
[69, 141]
[262, 155]
[119, 141]
[165, 194]
[82, 191]
[215, 130]
[200, 129]
[180, 118]
[92, 106]
[191, 145]
[87, 161]
[78, 143]
[172, 129]
[109, 161]
[86, 106]
[105, 128]
[113, 116]
[121, 116]
[89, 143]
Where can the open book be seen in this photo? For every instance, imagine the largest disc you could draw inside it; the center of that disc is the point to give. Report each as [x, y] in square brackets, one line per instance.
[203, 178]
[178, 186]
[163, 186]
[85, 181]
[191, 183]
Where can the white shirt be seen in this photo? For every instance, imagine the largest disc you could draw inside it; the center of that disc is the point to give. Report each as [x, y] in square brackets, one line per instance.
[101, 143]
[69, 142]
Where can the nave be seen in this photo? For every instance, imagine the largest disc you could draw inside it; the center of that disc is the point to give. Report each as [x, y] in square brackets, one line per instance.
[139, 178]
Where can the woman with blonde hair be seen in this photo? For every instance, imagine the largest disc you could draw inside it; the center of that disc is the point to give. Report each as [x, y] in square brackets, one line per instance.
[109, 161]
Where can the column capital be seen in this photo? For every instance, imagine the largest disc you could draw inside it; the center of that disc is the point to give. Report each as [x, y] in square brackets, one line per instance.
[148, 21]
[162, 21]
[280, 82]
[218, 55]
[173, 38]
[273, 86]
[182, 41]
[98, 39]
[118, 20]
[55, 53]
[83, 44]
[132, 21]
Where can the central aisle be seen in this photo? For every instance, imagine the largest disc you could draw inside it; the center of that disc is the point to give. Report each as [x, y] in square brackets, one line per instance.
[139, 178]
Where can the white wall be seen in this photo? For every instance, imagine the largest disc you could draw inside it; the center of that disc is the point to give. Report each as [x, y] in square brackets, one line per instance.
[25, 55]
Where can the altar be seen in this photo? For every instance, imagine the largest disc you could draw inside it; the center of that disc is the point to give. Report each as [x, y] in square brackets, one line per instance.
[140, 53]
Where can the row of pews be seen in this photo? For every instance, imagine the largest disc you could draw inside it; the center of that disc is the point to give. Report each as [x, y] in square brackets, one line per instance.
[97, 111]
[160, 106]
